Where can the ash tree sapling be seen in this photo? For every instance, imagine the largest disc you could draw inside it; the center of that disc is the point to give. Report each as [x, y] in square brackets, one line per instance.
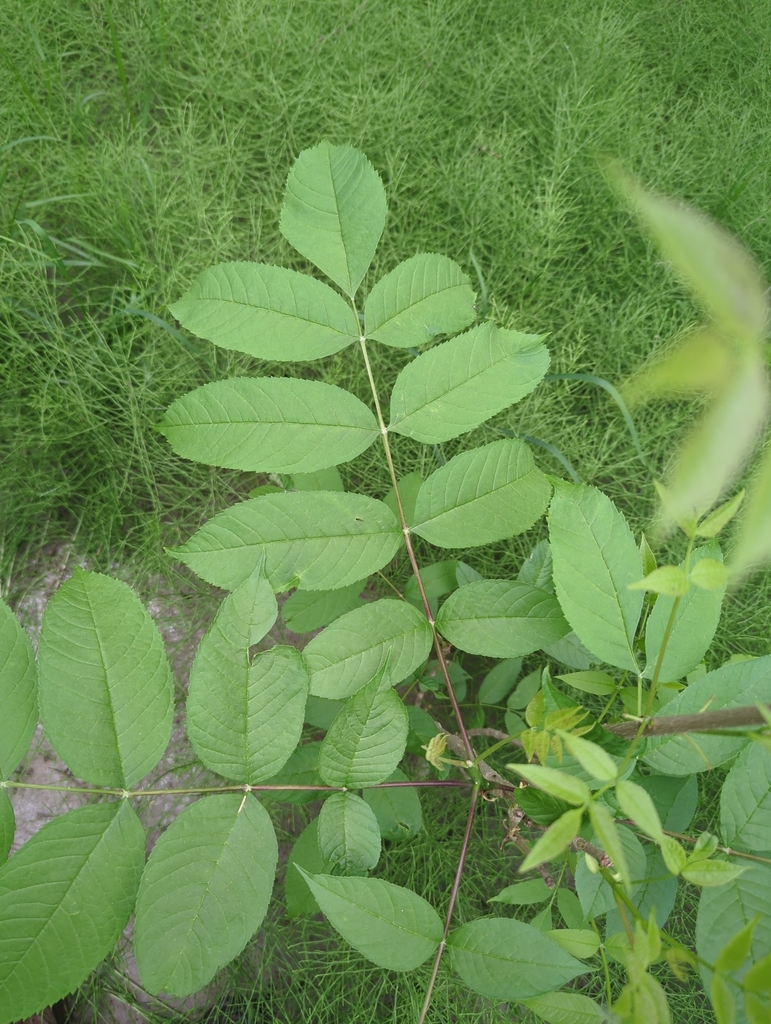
[605, 737]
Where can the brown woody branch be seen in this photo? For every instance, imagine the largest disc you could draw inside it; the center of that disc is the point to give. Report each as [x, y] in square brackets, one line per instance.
[703, 721]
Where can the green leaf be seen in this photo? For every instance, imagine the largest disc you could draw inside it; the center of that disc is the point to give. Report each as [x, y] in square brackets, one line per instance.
[499, 681]
[422, 297]
[737, 949]
[334, 211]
[571, 652]
[558, 784]
[348, 835]
[305, 853]
[570, 908]
[455, 386]
[523, 894]
[350, 652]
[302, 769]
[726, 909]
[501, 619]
[721, 272]
[733, 685]
[667, 579]
[245, 724]
[610, 840]
[567, 1008]
[396, 808]
[758, 977]
[7, 825]
[536, 570]
[695, 623]
[322, 480]
[554, 840]
[438, 579]
[505, 959]
[709, 574]
[267, 312]
[466, 574]
[391, 926]
[307, 610]
[539, 806]
[581, 943]
[745, 801]
[367, 739]
[18, 691]
[722, 1001]
[675, 799]
[590, 682]
[317, 540]
[269, 425]
[106, 690]
[595, 560]
[753, 539]
[204, 892]
[321, 713]
[592, 758]
[594, 893]
[637, 804]
[481, 496]
[409, 486]
[657, 889]
[65, 898]
[715, 521]
[711, 872]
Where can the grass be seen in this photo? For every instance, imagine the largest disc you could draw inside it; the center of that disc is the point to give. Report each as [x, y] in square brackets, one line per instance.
[145, 140]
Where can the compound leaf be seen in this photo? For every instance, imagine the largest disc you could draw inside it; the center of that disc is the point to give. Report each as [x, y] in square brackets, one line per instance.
[506, 959]
[366, 740]
[269, 425]
[455, 386]
[18, 691]
[696, 620]
[106, 689]
[267, 312]
[595, 560]
[391, 926]
[334, 212]
[422, 297]
[733, 685]
[317, 540]
[65, 898]
[481, 496]
[745, 801]
[501, 619]
[204, 892]
[350, 652]
[245, 721]
[307, 610]
[396, 808]
[348, 835]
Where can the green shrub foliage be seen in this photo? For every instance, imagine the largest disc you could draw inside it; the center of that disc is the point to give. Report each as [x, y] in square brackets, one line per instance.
[607, 799]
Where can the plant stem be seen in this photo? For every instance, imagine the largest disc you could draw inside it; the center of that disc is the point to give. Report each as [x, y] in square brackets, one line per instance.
[410, 551]
[451, 907]
[703, 721]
